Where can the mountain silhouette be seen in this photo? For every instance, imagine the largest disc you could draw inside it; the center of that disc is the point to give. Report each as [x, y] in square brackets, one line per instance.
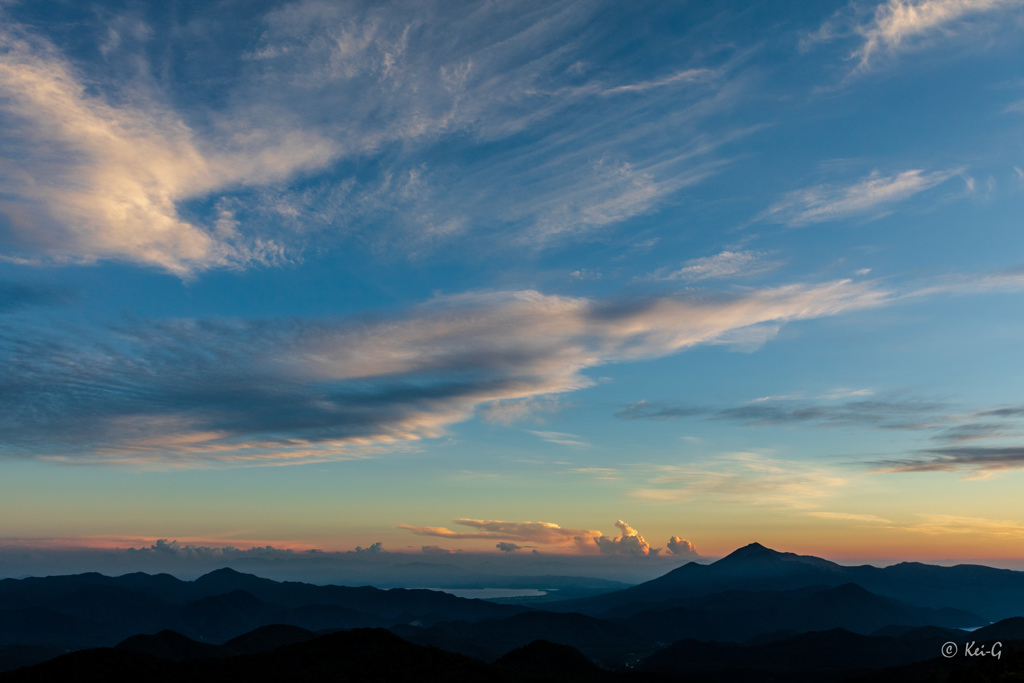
[755, 612]
[541, 660]
[741, 615]
[487, 640]
[173, 646]
[817, 655]
[1007, 629]
[372, 655]
[42, 617]
[992, 594]
[268, 638]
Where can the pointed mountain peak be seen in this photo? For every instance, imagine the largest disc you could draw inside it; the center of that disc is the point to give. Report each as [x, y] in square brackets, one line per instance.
[228, 579]
[224, 571]
[756, 555]
[750, 550]
[755, 546]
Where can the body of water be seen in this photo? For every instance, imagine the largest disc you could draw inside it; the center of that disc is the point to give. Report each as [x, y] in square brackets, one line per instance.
[489, 593]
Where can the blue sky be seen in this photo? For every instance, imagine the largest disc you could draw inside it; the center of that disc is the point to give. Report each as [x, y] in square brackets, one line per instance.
[319, 274]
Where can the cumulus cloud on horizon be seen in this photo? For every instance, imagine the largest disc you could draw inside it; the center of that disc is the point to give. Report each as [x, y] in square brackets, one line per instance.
[189, 551]
[371, 549]
[438, 550]
[629, 542]
[680, 547]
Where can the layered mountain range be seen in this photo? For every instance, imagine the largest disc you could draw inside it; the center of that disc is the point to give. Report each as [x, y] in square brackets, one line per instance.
[757, 610]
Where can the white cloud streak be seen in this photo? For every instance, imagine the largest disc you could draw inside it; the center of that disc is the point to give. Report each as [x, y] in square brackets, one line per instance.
[830, 202]
[686, 76]
[897, 23]
[102, 168]
[561, 438]
[309, 390]
[981, 527]
[723, 265]
[94, 181]
[747, 478]
[850, 517]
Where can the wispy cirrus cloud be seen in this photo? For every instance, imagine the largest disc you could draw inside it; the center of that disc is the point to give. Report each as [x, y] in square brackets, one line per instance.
[976, 431]
[726, 264]
[561, 438]
[600, 473]
[943, 525]
[87, 180]
[1005, 280]
[850, 517]
[685, 76]
[883, 414]
[901, 25]
[747, 478]
[876, 192]
[846, 392]
[517, 410]
[190, 391]
[944, 423]
[977, 459]
[102, 166]
[898, 24]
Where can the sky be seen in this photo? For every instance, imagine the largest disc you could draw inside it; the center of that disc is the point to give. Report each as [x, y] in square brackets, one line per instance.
[635, 280]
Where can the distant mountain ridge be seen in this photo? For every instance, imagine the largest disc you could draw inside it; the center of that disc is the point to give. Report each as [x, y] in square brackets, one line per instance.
[991, 593]
[754, 603]
[92, 610]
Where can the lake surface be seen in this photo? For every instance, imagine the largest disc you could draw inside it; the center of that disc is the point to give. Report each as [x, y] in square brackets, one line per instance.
[489, 593]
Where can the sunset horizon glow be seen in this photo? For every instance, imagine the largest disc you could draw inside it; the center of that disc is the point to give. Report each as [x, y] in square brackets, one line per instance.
[566, 280]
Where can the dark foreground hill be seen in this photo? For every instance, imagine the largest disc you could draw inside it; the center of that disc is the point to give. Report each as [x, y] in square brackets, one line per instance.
[544, 661]
[377, 655]
[43, 617]
[358, 655]
[605, 642]
[623, 637]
